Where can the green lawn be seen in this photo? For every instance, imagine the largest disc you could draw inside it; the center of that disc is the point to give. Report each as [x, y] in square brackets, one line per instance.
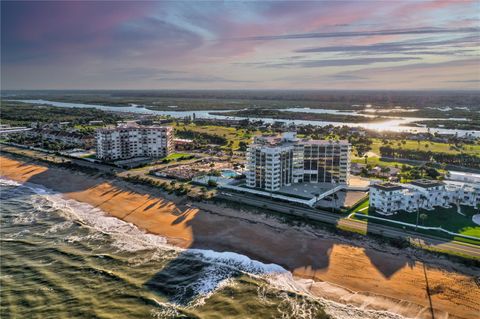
[360, 207]
[447, 218]
[376, 161]
[232, 134]
[428, 146]
[176, 156]
[414, 145]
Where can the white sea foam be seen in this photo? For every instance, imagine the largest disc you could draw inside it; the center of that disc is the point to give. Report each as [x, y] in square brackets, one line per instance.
[238, 261]
[220, 269]
[8, 182]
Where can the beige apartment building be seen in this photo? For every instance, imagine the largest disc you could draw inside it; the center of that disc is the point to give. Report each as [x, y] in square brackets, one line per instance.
[277, 161]
[131, 141]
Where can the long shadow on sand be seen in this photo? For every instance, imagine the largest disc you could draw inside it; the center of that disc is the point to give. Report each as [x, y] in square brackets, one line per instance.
[293, 249]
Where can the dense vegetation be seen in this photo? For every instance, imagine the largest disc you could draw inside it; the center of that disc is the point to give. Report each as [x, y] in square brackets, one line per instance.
[239, 99]
[429, 112]
[453, 159]
[409, 173]
[448, 124]
[38, 142]
[16, 113]
[201, 137]
[284, 115]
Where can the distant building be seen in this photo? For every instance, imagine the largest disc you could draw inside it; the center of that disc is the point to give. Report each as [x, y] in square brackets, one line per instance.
[95, 123]
[463, 177]
[130, 140]
[60, 125]
[277, 161]
[6, 129]
[182, 144]
[389, 198]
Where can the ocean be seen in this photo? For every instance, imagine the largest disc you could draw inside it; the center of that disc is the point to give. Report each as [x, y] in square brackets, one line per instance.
[65, 259]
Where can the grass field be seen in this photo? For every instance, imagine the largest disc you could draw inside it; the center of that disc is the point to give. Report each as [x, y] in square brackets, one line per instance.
[446, 218]
[176, 156]
[232, 134]
[360, 207]
[414, 145]
[376, 161]
[428, 146]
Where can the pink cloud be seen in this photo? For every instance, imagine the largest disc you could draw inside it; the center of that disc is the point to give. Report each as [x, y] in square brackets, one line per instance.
[46, 19]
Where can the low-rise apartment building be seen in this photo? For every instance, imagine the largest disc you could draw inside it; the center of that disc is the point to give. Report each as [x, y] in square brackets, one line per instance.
[389, 198]
[463, 177]
[131, 141]
[277, 161]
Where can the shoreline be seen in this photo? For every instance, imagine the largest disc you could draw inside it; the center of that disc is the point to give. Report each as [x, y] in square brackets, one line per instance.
[383, 279]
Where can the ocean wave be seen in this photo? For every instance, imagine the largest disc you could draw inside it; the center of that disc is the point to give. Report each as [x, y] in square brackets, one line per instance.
[221, 267]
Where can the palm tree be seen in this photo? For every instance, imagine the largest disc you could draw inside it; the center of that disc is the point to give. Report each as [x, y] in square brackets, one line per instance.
[422, 198]
[335, 197]
[423, 217]
[446, 198]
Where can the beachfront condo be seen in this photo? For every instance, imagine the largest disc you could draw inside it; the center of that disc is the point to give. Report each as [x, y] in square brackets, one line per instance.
[133, 141]
[390, 198]
[283, 160]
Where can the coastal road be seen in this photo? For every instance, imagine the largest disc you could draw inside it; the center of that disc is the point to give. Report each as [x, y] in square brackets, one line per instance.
[341, 222]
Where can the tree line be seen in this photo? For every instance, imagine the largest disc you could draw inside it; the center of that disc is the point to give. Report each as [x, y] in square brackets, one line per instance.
[452, 159]
[201, 137]
[23, 114]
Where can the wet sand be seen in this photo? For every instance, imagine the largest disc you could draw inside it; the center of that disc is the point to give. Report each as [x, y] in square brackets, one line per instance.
[358, 274]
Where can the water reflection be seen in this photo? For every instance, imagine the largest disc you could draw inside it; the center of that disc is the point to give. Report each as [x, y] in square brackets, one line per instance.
[396, 124]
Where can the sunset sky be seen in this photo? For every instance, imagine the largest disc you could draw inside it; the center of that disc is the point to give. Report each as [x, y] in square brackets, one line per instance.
[240, 45]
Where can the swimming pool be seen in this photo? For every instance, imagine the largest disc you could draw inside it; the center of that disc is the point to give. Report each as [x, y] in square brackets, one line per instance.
[228, 173]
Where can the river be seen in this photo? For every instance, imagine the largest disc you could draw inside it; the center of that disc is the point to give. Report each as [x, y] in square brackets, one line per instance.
[394, 124]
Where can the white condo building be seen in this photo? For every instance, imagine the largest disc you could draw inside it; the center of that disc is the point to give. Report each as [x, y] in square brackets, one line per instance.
[130, 141]
[389, 198]
[277, 161]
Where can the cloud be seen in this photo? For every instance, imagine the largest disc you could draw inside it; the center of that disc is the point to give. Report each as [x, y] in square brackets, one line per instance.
[425, 66]
[411, 46]
[343, 78]
[72, 31]
[329, 62]
[129, 73]
[425, 75]
[465, 81]
[190, 44]
[200, 78]
[349, 34]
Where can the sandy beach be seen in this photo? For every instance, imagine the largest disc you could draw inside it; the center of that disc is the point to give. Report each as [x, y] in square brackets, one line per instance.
[344, 270]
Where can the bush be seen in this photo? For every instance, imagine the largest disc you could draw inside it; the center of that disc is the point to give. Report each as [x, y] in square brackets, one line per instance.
[212, 183]
[215, 172]
[399, 243]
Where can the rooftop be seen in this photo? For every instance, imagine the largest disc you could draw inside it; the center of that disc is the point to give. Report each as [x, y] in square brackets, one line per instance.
[133, 126]
[426, 183]
[324, 142]
[388, 187]
[306, 190]
[464, 173]
[290, 138]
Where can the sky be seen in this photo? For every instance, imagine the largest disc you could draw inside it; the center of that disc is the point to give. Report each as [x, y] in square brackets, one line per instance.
[374, 45]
